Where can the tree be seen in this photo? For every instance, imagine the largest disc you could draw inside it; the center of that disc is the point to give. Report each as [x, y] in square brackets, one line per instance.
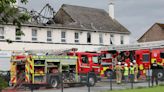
[9, 13]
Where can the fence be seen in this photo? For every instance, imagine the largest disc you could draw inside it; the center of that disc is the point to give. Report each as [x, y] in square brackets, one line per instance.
[66, 82]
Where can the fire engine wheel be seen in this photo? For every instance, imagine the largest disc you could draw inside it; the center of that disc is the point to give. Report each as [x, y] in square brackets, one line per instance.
[54, 82]
[10, 84]
[92, 80]
[160, 75]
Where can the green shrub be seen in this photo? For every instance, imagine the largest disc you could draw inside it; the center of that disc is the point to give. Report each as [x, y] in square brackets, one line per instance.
[3, 83]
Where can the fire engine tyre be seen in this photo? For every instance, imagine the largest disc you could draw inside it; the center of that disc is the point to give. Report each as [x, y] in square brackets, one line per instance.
[10, 84]
[54, 82]
[160, 74]
[92, 80]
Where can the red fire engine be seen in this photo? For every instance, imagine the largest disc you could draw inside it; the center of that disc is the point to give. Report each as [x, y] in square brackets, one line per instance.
[41, 70]
[143, 53]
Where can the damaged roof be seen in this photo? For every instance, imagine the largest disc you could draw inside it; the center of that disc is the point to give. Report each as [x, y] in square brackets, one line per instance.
[88, 18]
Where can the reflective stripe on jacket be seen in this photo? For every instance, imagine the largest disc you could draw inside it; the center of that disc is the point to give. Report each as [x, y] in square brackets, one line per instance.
[126, 71]
[118, 68]
[131, 70]
[136, 67]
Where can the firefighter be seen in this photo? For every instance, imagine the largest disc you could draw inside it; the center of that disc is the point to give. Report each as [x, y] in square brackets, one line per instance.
[126, 72]
[131, 72]
[118, 70]
[135, 70]
[155, 68]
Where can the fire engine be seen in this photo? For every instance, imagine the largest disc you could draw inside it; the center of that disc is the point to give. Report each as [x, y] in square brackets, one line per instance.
[143, 53]
[50, 69]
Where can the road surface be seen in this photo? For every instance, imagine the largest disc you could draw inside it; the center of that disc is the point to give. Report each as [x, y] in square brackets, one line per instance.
[100, 87]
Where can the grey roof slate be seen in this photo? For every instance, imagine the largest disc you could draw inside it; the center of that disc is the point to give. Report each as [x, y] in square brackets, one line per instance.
[92, 18]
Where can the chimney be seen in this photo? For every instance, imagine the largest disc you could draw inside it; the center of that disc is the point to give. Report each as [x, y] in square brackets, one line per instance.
[111, 10]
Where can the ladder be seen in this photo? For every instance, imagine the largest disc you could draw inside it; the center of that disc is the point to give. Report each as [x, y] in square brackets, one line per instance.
[136, 46]
[50, 52]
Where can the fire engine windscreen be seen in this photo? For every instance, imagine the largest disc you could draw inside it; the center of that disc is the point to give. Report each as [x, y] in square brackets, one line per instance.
[162, 54]
[84, 59]
[106, 55]
[145, 57]
[95, 59]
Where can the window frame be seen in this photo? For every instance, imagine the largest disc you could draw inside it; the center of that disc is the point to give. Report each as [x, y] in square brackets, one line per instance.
[63, 38]
[49, 38]
[76, 36]
[34, 37]
[18, 37]
[89, 37]
[2, 36]
[121, 39]
[112, 39]
[101, 38]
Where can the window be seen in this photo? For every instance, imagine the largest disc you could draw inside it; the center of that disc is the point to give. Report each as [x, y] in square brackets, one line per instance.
[95, 59]
[76, 37]
[49, 36]
[63, 36]
[2, 33]
[88, 37]
[17, 34]
[34, 35]
[122, 39]
[111, 39]
[145, 57]
[100, 38]
[108, 55]
[84, 59]
[162, 54]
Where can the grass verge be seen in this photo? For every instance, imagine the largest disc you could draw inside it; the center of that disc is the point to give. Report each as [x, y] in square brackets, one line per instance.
[152, 89]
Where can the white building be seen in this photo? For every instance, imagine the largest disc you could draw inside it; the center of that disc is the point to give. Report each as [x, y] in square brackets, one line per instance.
[75, 27]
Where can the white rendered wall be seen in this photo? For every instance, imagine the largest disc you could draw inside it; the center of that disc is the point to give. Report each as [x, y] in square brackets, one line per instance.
[56, 38]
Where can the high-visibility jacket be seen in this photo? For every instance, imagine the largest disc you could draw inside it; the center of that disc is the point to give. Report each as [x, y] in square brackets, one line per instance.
[141, 67]
[118, 68]
[131, 70]
[126, 71]
[136, 67]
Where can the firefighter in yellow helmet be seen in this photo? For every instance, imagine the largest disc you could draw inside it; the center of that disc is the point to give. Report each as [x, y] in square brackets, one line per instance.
[126, 72]
[118, 70]
[135, 70]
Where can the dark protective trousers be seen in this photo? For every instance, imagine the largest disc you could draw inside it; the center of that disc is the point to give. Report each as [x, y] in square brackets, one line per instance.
[154, 77]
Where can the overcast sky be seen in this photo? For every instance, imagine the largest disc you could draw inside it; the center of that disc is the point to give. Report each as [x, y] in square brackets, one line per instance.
[136, 15]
